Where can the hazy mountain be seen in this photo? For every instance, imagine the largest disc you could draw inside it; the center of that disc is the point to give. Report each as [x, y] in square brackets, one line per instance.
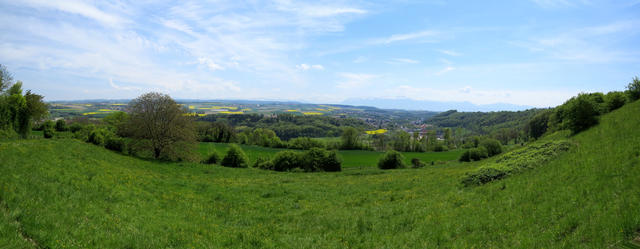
[410, 104]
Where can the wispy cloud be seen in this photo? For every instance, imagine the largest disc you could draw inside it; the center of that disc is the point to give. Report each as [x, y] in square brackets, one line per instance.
[355, 80]
[449, 52]
[305, 67]
[423, 36]
[403, 61]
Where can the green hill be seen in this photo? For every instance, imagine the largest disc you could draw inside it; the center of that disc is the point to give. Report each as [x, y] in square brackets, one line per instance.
[68, 194]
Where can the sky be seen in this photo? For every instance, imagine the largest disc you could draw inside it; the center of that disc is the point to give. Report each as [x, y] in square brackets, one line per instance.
[530, 52]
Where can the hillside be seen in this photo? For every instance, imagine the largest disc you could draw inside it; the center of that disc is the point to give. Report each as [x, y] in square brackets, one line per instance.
[68, 194]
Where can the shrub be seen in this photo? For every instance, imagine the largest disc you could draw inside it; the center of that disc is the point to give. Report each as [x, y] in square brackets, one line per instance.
[213, 158]
[484, 175]
[465, 157]
[539, 124]
[493, 147]
[582, 113]
[416, 163]
[318, 159]
[75, 127]
[235, 158]
[478, 154]
[440, 148]
[391, 160]
[615, 100]
[633, 89]
[61, 125]
[115, 143]
[305, 143]
[48, 132]
[263, 163]
[286, 160]
[96, 136]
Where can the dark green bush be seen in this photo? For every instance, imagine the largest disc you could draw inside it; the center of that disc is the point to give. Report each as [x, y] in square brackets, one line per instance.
[305, 143]
[96, 136]
[478, 154]
[75, 127]
[440, 148]
[465, 157]
[48, 132]
[633, 89]
[416, 163]
[493, 146]
[582, 112]
[235, 158]
[318, 159]
[391, 160]
[213, 158]
[263, 163]
[61, 125]
[115, 143]
[483, 175]
[48, 128]
[286, 160]
[615, 100]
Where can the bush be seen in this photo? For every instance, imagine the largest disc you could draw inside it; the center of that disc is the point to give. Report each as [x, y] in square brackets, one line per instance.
[582, 113]
[416, 163]
[213, 158]
[391, 160]
[96, 136]
[633, 89]
[263, 163]
[61, 125]
[235, 158]
[305, 143]
[115, 143]
[318, 159]
[478, 154]
[615, 100]
[286, 160]
[440, 148]
[493, 147]
[48, 132]
[539, 124]
[75, 127]
[465, 157]
[484, 175]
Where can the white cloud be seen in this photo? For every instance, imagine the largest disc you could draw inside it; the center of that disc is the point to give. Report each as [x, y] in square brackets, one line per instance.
[403, 61]
[355, 80]
[449, 52]
[78, 8]
[305, 67]
[445, 70]
[124, 88]
[210, 64]
[423, 35]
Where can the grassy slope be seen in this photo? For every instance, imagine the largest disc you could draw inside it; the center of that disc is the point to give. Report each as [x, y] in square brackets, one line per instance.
[351, 158]
[70, 194]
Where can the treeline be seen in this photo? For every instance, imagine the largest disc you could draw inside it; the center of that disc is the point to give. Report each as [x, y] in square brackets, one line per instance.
[287, 126]
[582, 111]
[18, 110]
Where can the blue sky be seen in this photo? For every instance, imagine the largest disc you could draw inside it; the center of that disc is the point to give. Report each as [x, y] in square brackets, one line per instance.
[537, 52]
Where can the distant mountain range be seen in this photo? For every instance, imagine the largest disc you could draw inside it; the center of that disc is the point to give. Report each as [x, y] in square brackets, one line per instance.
[438, 106]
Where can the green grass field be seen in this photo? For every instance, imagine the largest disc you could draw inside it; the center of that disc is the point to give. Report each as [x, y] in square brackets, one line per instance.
[68, 194]
[351, 158]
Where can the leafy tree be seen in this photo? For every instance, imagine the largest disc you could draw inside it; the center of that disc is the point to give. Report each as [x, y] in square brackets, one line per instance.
[48, 129]
[615, 100]
[305, 143]
[235, 158]
[633, 89]
[582, 113]
[492, 146]
[161, 125]
[286, 160]
[6, 79]
[350, 139]
[391, 160]
[117, 122]
[539, 124]
[318, 159]
[478, 154]
[61, 125]
[213, 158]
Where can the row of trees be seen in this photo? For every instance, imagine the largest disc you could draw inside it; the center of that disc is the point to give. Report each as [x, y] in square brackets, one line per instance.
[18, 110]
[582, 111]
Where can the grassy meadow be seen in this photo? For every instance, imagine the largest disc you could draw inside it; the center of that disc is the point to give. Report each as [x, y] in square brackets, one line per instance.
[350, 158]
[67, 194]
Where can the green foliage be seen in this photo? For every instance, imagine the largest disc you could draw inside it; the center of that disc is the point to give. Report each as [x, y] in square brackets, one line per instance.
[516, 161]
[582, 112]
[318, 159]
[98, 136]
[213, 158]
[235, 158]
[416, 163]
[262, 163]
[633, 89]
[305, 143]
[115, 143]
[615, 100]
[117, 121]
[477, 154]
[493, 146]
[350, 139]
[48, 133]
[75, 127]
[286, 160]
[539, 124]
[391, 160]
[61, 125]
[465, 157]
[218, 132]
